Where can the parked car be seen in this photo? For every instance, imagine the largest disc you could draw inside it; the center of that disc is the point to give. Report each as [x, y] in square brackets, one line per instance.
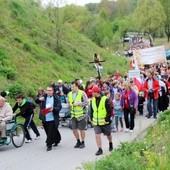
[126, 38]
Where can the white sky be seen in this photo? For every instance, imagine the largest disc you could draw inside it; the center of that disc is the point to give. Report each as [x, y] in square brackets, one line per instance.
[76, 2]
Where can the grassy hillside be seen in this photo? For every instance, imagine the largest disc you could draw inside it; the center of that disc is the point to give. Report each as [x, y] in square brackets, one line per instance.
[28, 57]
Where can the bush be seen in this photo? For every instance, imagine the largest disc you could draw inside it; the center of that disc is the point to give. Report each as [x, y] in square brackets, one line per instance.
[18, 39]
[8, 72]
[15, 89]
[3, 54]
[27, 47]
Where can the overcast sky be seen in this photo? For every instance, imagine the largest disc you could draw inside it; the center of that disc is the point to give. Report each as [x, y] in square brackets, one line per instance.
[76, 2]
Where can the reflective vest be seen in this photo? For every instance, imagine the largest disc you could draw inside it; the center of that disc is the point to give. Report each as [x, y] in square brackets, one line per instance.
[76, 111]
[99, 114]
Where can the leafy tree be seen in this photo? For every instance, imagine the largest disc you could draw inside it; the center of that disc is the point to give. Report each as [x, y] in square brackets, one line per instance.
[104, 29]
[123, 8]
[166, 5]
[55, 14]
[92, 7]
[109, 7]
[149, 17]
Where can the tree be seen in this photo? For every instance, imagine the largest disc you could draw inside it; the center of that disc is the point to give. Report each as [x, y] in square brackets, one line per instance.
[55, 14]
[104, 29]
[149, 17]
[123, 8]
[166, 5]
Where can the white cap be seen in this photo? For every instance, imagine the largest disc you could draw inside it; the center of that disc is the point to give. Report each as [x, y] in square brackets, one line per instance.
[60, 81]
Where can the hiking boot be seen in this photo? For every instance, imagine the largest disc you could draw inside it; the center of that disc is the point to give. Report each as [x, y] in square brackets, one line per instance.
[82, 145]
[99, 152]
[77, 145]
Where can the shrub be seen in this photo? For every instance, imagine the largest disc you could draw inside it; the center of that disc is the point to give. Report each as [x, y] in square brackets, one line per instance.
[18, 39]
[8, 72]
[27, 47]
[15, 89]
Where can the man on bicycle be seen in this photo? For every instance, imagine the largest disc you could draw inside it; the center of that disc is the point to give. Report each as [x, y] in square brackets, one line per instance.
[6, 114]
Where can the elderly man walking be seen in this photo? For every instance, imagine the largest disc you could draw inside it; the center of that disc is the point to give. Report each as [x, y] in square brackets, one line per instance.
[6, 114]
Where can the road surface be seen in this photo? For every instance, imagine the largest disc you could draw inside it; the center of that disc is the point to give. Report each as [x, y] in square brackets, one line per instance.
[33, 156]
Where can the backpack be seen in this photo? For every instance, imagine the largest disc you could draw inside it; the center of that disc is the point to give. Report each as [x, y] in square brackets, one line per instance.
[31, 103]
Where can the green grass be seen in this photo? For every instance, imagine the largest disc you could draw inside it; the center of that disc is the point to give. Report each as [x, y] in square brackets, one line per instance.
[151, 153]
[28, 49]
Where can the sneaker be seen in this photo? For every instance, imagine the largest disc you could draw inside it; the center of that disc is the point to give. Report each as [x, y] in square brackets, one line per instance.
[49, 148]
[126, 130]
[6, 142]
[82, 145]
[37, 137]
[155, 117]
[28, 141]
[1, 140]
[131, 131]
[55, 144]
[77, 145]
[99, 152]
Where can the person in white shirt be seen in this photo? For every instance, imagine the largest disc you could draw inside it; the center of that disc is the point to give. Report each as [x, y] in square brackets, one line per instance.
[6, 114]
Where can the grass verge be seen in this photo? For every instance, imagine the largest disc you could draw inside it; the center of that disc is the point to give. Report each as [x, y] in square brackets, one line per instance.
[150, 153]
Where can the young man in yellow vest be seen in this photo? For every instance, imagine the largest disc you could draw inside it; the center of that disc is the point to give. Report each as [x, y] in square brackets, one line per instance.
[100, 114]
[78, 100]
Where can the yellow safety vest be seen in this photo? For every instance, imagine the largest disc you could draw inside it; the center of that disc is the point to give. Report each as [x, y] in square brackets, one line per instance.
[76, 111]
[99, 114]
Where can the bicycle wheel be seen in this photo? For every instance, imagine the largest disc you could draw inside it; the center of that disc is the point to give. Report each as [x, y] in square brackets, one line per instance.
[18, 135]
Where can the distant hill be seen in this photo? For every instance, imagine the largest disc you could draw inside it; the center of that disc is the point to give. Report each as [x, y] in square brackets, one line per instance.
[28, 57]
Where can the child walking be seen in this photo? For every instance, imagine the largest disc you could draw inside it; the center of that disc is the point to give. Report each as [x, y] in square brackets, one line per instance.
[118, 112]
[107, 94]
[141, 103]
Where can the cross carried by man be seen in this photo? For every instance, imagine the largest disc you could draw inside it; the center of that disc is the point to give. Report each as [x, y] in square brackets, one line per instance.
[97, 64]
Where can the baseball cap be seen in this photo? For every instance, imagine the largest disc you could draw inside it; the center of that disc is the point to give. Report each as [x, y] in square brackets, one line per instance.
[95, 89]
[60, 81]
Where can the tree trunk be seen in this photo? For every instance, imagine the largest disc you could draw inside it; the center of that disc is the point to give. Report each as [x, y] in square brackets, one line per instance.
[151, 40]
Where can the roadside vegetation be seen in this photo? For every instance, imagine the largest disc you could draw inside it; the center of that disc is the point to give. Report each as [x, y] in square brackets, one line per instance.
[151, 152]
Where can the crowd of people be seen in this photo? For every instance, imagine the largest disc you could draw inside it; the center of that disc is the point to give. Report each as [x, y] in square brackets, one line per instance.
[109, 102]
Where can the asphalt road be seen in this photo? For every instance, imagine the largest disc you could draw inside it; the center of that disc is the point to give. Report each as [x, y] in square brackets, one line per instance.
[33, 156]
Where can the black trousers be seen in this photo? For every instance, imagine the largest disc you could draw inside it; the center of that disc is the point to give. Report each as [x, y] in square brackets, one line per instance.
[129, 123]
[30, 123]
[53, 135]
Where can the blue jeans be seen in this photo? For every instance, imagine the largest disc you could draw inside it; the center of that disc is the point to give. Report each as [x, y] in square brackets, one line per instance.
[152, 106]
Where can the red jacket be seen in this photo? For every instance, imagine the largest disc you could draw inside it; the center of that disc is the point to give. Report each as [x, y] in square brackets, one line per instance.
[155, 88]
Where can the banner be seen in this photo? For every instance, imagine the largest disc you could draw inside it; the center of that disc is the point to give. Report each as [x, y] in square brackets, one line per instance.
[150, 55]
[134, 74]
